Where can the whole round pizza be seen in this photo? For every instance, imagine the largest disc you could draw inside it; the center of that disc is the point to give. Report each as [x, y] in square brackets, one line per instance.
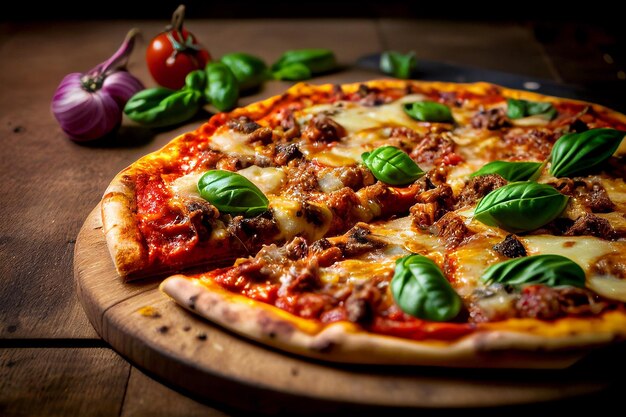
[394, 222]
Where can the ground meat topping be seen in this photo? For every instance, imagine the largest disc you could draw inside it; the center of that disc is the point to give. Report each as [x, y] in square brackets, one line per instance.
[431, 205]
[431, 148]
[286, 153]
[612, 264]
[498, 302]
[590, 193]
[243, 124]
[521, 144]
[591, 225]
[478, 187]
[254, 230]
[510, 247]
[492, 119]
[361, 304]
[322, 128]
[201, 214]
[452, 229]
[360, 240]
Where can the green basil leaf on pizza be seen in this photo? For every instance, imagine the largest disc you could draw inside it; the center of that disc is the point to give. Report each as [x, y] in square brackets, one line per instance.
[510, 171]
[551, 270]
[578, 153]
[232, 193]
[392, 166]
[520, 206]
[421, 290]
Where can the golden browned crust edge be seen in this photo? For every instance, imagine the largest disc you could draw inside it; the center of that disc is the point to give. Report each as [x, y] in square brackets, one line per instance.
[119, 224]
[344, 342]
[124, 240]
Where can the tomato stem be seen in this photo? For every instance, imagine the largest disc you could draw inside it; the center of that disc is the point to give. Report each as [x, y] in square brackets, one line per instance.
[178, 17]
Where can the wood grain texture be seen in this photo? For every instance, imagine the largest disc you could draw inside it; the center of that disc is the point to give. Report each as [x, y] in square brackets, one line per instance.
[506, 47]
[147, 397]
[61, 382]
[218, 366]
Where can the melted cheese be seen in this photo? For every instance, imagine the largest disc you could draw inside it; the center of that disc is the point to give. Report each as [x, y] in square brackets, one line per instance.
[355, 117]
[269, 179]
[581, 249]
[231, 142]
[291, 218]
[186, 186]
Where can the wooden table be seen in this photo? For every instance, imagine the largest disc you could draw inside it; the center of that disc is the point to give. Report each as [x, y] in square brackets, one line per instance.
[52, 362]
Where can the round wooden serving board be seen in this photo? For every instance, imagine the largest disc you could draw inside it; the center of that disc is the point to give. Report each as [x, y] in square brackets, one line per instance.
[212, 363]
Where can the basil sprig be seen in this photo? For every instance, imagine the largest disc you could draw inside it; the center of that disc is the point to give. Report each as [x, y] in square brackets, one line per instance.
[397, 64]
[249, 70]
[232, 193]
[157, 107]
[577, 153]
[421, 290]
[293, 65]
[392, 166]
[520, 206]
[516, 109]
[510, 171]
[552, 270]
[428, 111]
[222, 89]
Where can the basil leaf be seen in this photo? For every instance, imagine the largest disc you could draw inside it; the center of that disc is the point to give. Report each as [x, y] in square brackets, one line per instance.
[520, 206]
[232, 193]
[249, 70]
[577, 153]
[552, 270]
[516, 109]
[420, 289]
[195, 80]
[293, 72]
[510, 171]
[397, 64]
[392, 166]
[157, 107]
[428, 111]
[316, 60]
[222, 89]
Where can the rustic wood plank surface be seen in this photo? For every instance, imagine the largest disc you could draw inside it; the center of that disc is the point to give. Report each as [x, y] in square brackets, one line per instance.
[49, 184]
[61, 381]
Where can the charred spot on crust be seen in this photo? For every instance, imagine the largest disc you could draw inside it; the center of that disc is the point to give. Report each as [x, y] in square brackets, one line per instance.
[163, 329]
[192, 302]
[510, 247]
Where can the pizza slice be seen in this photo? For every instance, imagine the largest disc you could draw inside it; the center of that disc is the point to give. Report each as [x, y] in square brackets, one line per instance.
[302, 153]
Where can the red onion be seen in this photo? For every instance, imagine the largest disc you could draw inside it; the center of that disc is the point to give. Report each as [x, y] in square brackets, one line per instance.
[88, 106]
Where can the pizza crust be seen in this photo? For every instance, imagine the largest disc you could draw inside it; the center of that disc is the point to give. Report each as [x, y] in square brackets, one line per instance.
[345, 342]
[126, 245]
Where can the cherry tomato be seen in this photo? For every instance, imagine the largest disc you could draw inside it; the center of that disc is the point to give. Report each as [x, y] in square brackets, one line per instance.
[174, 53]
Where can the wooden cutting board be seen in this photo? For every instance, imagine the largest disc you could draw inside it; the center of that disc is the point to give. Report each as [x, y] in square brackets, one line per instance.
[209, 362]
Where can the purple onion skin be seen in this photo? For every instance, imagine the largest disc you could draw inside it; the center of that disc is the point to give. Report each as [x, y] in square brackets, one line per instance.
[89, 113]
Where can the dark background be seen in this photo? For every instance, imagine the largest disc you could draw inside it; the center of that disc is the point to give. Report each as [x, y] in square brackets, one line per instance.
[586, 45]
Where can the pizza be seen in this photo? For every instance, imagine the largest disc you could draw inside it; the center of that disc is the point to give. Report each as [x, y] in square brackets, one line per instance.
[390, 222]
